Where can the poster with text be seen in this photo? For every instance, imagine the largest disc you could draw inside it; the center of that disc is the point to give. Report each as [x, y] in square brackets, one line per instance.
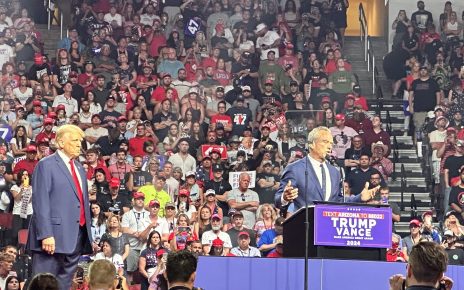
[234, 176]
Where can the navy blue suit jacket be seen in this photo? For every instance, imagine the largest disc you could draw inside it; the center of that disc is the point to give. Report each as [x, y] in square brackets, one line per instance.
[56, 206]
[295, 172]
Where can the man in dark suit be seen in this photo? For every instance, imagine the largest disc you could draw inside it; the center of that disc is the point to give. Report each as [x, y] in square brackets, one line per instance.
[59, 231]
[313, 173]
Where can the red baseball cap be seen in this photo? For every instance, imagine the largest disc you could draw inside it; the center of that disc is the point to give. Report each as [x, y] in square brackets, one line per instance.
[184, 192]
[36, 103]
[60, 107]
[138, 194]
[51, 115]
[49, 121]
[114, 182]
[217, 242]
[122, 119]
[244, 233]
[31, 149]
[415, 222]
[268, 82]
[154, 202]
[340, 117]
[325, 99]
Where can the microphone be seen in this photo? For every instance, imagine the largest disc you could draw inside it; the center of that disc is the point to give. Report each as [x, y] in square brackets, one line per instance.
[331, 159]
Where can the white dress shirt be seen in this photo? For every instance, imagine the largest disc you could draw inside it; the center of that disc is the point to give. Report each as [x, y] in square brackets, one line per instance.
[317, 169]
[66, 160]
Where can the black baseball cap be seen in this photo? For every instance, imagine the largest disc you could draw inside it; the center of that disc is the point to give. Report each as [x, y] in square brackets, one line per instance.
[217, 168]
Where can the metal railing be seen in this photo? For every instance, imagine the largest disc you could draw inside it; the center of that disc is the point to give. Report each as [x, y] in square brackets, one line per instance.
[369, 55]
[403, 186]
[413, 206]
[50, 11]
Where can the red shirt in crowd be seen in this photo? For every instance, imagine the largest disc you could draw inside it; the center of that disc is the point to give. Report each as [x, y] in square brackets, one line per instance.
[159, 94]
[136, 145]
[157, 42]
[100, 164]
[224, 119]
[25, 164]
[44, 136]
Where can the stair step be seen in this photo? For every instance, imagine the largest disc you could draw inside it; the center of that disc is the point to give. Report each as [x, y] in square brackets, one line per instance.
[396, 196]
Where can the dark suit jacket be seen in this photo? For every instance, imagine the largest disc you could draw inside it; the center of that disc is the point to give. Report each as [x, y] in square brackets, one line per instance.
[56, 206]
[295, 172]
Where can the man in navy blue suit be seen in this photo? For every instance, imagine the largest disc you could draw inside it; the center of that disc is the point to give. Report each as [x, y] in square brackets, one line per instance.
[59, 231]
[313, 173]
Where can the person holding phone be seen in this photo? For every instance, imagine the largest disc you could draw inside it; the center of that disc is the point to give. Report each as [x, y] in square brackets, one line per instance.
[425, 269]
[181, 234]
[22, 208]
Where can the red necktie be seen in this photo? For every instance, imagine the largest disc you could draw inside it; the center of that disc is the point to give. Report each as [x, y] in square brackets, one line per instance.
[79, 193]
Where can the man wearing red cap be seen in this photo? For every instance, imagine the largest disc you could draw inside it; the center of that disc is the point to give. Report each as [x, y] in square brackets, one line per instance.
[36, 118]
[288, 58]
[46, 133]
[113, 202]
[215, 233]
[342, 136]
[134, 223]
[244, 249]
[29, 163]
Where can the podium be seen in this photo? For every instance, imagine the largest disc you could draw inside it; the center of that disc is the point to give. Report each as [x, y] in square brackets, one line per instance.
[340, 231]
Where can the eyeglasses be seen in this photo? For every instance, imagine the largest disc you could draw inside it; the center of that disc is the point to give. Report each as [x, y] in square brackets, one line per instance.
[169, 208]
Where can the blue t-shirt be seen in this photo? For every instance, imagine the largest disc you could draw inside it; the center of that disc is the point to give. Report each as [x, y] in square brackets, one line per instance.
[267, 238]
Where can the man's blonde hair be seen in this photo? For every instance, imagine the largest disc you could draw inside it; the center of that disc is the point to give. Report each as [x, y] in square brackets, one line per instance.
[68, 129]
[101, 275]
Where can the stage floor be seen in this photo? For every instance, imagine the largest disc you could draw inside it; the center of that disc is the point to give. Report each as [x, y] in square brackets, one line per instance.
[232, 273]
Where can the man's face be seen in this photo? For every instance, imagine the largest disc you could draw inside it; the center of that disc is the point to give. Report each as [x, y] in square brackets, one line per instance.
[121, 156]
[378, 152]
[271, 56]
[7, 265]
[207, 163]
[238, 221]
[141, 130]
[96, 121]
[217, 175]
[265, 132]
[160, 183]
[244, 241]
[268, 87]
[423, 73]
[216, 224]
[196, 248]
[364, 161]
[221, 108]
[183, 146]
[267, 168]
[182, 75]
[322, 145]
[100, 82]
[167, 169]
[212, 137]
[138, 162]
[167, 81]
[244, 182]
[375, 179]
[70, 143]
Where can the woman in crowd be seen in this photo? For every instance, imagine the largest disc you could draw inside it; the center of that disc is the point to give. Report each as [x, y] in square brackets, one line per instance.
[452, 223]
[76, 58]
[328, 118]
[108, 254]
[98, 227]
[413, 238]
[210, 196]
[185, 204]
[181, 233]
[203, 222]
[265, 219]
[19, 142]
[100, 186]
[148, 258]
[22, 208]
[400, 25]
[118, 240]
[12, 283]
[170, 142]
[186, 124]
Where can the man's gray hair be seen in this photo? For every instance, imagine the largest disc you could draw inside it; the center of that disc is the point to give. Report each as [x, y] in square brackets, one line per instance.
[316, 133]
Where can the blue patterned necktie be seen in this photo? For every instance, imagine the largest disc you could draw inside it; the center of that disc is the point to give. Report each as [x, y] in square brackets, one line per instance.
[323, 181]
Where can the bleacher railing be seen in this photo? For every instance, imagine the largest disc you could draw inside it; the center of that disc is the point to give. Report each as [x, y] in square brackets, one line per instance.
[369, 56]
[403, 186]
[51, 7]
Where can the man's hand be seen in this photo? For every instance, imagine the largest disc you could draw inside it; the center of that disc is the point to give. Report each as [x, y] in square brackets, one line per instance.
[396, 282]
[368, 194]
[290, 193]
[48, 245]
[447, 282]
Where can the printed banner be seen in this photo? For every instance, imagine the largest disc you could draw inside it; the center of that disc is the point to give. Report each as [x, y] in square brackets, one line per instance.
[352, 226]
[233, 179]
[206, 150]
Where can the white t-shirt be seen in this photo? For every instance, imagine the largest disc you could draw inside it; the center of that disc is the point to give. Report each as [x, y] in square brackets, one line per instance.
[18, 203]
[22, 97]
[97, 133]
[208, 237]
[116, 259]
[110, 18]
[70, 105]
[6, 53]
[268, 39]
[137, 221]
[437, 136]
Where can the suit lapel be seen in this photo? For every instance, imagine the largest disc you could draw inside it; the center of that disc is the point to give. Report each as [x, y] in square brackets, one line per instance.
[66, 172]
[316, 180]
[335, 182]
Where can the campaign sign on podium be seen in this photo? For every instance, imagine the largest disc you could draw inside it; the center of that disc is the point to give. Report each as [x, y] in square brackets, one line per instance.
[352, 226]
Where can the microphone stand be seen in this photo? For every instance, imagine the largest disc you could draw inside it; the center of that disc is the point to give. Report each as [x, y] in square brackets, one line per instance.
[306, 269]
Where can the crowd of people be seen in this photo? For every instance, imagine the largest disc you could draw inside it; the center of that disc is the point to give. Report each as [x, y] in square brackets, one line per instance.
[192, 110]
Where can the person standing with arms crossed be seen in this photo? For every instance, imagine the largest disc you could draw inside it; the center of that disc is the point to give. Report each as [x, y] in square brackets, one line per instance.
[59, 232]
